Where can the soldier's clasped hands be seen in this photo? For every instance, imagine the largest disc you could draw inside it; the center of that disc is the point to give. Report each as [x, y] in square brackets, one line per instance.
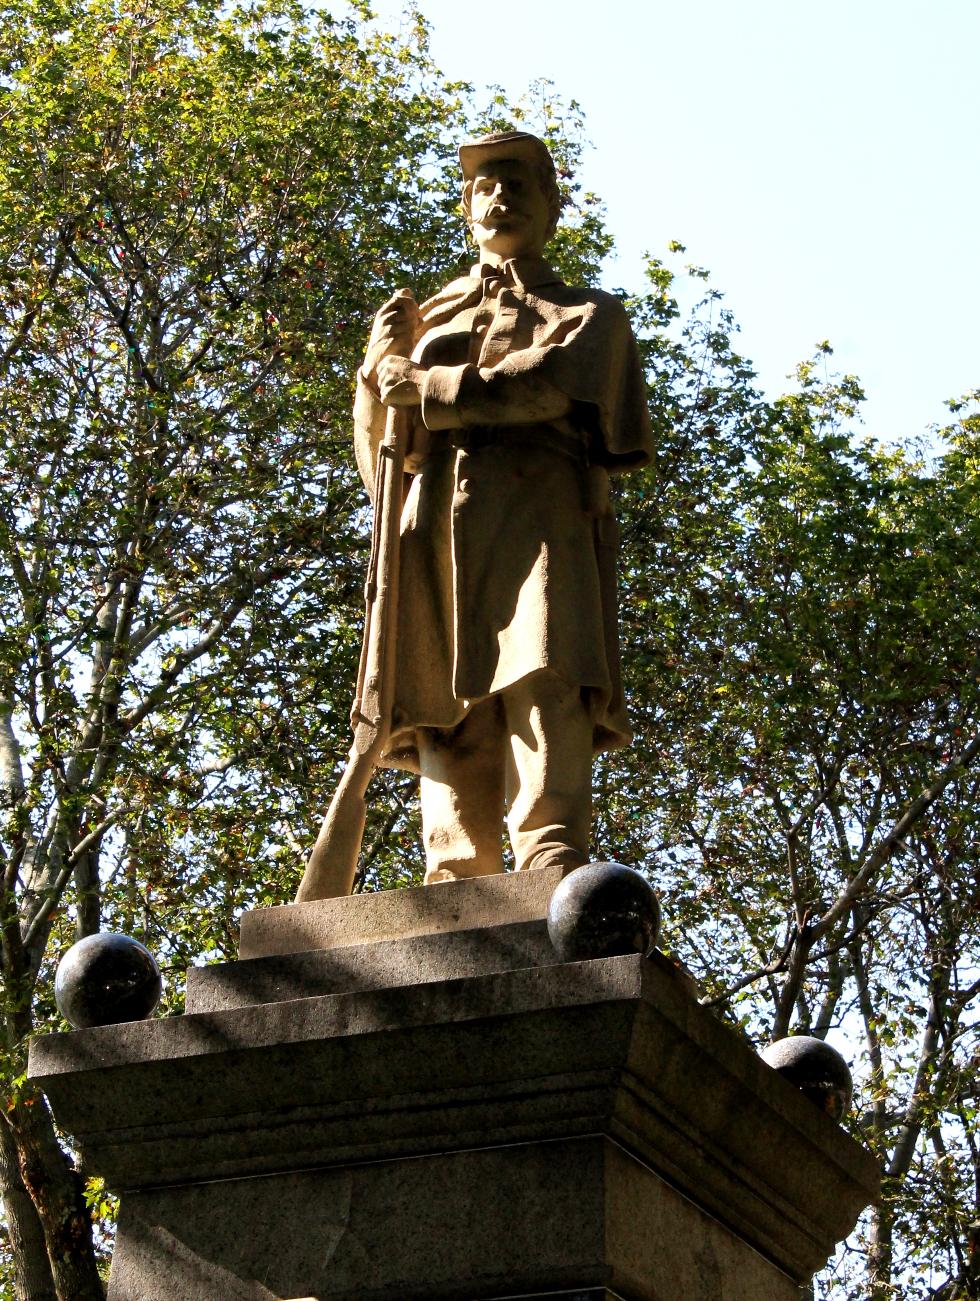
[394, 333]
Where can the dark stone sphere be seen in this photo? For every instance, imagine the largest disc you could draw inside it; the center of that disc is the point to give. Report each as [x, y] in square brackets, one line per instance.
[105, 979]
[603, 910]
[818, 1071]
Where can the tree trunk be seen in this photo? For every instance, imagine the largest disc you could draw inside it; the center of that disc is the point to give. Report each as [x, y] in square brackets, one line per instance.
[792, 983]
[56, 1191]
[88, 904]
[880, 1253]
[34, 1280]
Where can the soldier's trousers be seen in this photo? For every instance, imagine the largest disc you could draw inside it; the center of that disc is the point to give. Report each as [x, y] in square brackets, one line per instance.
[525, 753]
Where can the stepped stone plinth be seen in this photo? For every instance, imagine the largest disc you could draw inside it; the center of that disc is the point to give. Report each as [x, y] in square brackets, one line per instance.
[406, 1097]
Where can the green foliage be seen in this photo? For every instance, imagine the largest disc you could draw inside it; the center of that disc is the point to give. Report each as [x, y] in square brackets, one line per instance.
[200, 209]
[803, 640]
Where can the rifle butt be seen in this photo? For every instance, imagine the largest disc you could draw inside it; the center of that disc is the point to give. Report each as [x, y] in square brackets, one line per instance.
[332, 863]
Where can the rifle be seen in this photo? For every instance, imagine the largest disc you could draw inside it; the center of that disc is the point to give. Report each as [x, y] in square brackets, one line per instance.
[333, 861]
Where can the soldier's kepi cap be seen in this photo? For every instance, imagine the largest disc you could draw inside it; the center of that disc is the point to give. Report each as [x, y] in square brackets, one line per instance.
[503, 144]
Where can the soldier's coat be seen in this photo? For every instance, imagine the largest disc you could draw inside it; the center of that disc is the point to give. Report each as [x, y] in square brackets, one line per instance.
[508, 544]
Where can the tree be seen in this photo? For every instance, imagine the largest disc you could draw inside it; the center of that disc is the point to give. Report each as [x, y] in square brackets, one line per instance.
[199, 211]
[804, 643]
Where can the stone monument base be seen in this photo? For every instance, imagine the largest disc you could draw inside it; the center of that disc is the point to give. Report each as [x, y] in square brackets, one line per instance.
[405, 1097]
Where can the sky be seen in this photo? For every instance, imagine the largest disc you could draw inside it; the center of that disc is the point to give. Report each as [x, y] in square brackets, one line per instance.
[822, 161]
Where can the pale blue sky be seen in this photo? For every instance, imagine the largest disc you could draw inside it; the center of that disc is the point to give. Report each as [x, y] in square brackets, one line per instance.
[820, 159]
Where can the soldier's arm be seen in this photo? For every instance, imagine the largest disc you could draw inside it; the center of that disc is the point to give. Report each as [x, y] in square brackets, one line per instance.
[393, 334]
[530, 385]
[593, 371]
[454, 397]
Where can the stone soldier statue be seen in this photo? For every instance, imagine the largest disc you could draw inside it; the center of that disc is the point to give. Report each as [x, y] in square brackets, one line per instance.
[524, 395]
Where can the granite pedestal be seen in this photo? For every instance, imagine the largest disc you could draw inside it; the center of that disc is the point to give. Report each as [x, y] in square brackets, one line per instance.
[405, 1097]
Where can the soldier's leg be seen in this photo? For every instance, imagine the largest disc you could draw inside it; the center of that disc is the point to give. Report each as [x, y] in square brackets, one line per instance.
[549, 772]
[462, 794]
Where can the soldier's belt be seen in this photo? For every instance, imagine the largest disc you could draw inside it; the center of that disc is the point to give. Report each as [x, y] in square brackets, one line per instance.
[472, 439]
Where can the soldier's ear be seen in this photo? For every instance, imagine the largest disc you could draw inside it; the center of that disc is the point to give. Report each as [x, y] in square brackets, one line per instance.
[466, 203]
[555, 205]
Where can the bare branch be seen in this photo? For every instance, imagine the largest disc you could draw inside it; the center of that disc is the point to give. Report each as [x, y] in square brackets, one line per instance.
[891, 842]
[773, 969]
[52, 895]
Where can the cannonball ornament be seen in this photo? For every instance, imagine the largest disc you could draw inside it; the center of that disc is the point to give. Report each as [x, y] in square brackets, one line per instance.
[105, 979]
[818, 1071]
[603, 910]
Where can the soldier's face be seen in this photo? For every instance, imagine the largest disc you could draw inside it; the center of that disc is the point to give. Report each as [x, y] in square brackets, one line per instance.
[508, 209]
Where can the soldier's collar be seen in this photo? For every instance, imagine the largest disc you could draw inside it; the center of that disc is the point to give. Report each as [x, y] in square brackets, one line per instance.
[522, 272]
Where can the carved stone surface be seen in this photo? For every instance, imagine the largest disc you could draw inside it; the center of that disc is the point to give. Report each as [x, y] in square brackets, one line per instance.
[395, 914]
[491, 659]
[450, 1227]
[560, 1127]
[415, 959]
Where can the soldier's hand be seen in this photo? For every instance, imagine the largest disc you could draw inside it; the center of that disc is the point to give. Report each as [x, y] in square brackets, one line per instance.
[395, 330]
[400, 382]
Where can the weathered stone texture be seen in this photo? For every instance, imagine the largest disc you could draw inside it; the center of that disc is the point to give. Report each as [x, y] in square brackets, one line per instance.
[531, 1128]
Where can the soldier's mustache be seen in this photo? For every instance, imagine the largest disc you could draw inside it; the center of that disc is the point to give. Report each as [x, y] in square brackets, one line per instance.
[503, 210]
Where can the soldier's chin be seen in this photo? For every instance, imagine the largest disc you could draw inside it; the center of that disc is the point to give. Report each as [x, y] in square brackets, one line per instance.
[505, 241]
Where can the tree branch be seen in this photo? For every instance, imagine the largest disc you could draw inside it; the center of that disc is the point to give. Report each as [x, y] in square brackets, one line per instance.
[892, 841]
